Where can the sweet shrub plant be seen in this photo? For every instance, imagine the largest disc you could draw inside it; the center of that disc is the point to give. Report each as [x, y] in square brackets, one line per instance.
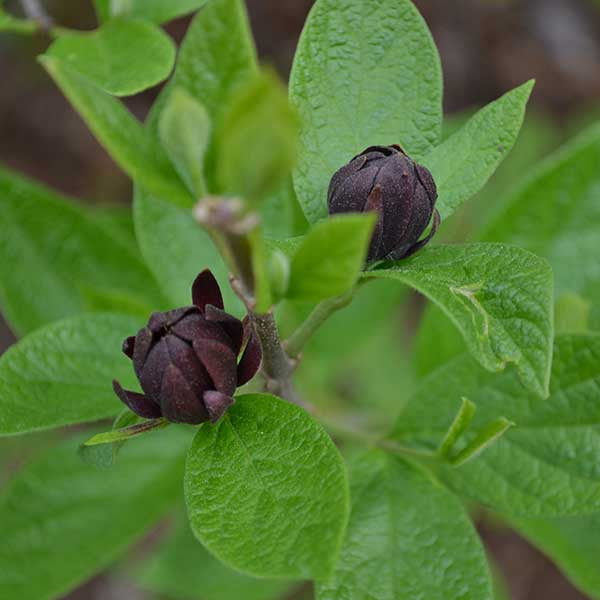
[337, 464]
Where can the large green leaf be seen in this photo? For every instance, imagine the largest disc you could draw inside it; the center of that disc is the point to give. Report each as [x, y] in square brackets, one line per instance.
[556, 214]
[258, 140]
[328, 260]
[499, 297]
[545, 466]
[54, 256]
[407, 538]
[463, 163]
[572, 543]
[135, 149]
[177, 248]
[266, 490]
[123, 57]
[157, 11]
[366, 72]
[64, 520]
[182, 569]
[61, 374]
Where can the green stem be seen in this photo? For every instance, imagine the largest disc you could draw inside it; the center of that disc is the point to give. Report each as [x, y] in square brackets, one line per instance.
[319, 315]
[126, 433]
[369, 439]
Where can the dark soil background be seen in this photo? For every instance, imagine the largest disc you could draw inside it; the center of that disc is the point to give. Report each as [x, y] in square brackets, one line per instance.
[487, 47]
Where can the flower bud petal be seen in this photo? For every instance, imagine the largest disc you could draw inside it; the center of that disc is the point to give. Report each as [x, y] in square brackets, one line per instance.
[178, 402]
[143, 344]
[232, 326]
[153, 369]
[375, 204]
[206, 290]
[384, 179]
[184, 357]
[195, 327]
[137, 403]
[351, 194]
[250, 361]
[220, 363]
[216, 404]
[129, 346]
[188, 354]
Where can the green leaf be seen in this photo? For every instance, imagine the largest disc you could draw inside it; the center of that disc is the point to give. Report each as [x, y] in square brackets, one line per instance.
[134, 148]
[207, 68]
[434, 324]
[185, 129]
[488, 434]
[463, 163]
[572, 543]
[123, 57]
[571, 314]
[555, 213]
[266, 490]
[407, 538]
[258, 140]
[499, 297]
[102, 8]
[544, 466]
[458, 427]
[53, 253]
[64, 520]
[182, 569]
[177, 248]
[157, 11]
[330, 257]
[281, 214]
[366, 72]
[61, 374]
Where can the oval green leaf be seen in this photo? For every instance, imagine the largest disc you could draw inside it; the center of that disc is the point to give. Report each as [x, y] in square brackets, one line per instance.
[366, 72]
[135, 149]
[555, 213]
[328, 260]
[62, 373]
[407, 538]
[499, 297]
[182, 569]
[123, 57]
[545, 466]
[64, 520]
[266, 490]
[52, 244]
[463, 163]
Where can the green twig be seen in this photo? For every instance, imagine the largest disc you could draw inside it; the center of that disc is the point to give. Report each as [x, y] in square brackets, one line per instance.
[126, 433]
[371, 439]
[319, 315]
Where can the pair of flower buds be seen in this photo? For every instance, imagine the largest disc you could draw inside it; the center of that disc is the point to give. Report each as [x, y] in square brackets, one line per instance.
[186, 359]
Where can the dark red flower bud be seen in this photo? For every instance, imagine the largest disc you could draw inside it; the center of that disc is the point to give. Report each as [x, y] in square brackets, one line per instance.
[186, 359]
[385, 180]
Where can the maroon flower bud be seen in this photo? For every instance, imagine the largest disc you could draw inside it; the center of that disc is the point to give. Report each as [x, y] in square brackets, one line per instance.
[385, 180]
[186, 359]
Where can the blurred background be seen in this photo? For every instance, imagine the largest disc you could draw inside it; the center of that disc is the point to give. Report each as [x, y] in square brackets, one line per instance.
[487, 47]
